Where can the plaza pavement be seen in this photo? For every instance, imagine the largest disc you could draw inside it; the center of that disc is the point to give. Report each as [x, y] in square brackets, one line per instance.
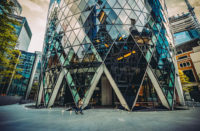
[20, 118]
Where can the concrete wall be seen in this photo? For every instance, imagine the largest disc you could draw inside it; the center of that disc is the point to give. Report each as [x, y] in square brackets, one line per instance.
[8, 100]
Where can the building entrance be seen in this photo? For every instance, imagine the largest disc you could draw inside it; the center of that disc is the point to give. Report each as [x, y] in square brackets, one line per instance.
[104, 95]
[106, 92]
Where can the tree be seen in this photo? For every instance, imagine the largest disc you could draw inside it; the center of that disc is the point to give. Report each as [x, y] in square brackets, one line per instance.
[185, 81]
[9, 57]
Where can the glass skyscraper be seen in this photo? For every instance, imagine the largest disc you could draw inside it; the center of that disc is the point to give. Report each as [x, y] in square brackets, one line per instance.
[19, 86]
[108, 52]
[27, 69]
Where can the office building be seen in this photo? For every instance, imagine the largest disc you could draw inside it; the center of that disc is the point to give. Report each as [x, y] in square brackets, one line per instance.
[109, 53]
[28, 66]
[187, 41]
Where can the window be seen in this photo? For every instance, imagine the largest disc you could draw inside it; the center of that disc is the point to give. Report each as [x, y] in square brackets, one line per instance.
[183, 57]
[185, 64]
[188, 64]
[179, 52]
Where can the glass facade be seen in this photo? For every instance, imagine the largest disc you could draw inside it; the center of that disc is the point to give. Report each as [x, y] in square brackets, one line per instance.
[124, 38]
[19, 86]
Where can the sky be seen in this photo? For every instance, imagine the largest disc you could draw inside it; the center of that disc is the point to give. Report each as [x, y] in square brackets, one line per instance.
[36, 13]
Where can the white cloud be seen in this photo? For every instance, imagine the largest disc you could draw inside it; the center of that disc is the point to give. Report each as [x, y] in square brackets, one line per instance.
[31, 5]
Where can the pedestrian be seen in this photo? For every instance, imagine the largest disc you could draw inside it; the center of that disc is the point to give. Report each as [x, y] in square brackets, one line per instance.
[79, 107]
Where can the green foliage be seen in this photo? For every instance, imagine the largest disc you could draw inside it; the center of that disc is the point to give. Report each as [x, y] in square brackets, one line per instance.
[9, 57]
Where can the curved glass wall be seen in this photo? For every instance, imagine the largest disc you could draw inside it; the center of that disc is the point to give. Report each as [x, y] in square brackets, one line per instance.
[127, 36]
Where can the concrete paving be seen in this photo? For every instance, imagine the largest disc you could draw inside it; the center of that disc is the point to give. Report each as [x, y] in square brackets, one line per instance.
[20, 118]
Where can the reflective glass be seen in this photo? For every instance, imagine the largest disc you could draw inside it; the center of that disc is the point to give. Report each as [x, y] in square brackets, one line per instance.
[122, 34]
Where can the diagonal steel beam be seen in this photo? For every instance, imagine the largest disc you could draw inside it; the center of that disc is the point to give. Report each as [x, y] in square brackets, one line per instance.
[157, 88]
[56, 88]
[138, 91]
[39, 99]
[94, 83]
[74, 91]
